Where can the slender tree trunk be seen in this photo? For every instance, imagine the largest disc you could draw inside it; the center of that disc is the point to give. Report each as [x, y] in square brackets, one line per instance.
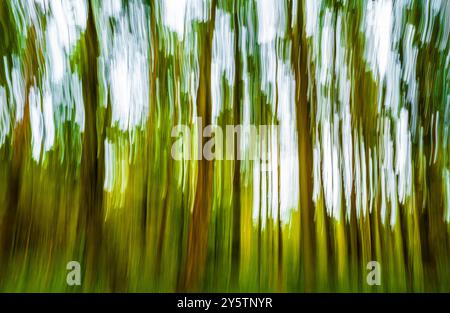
[92, 162]
[199, 219]
[236, 243]
[299, 62]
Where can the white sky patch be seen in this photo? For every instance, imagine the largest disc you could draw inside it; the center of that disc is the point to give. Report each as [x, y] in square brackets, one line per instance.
[223, 61]
[364, 176]
[344, 114]
[120, 90]
[378, 29]
[56, 61]
[410, 53]
[312, 14]
[329, 166]
[112, 7]
[327, 49]
[197, 10]
[317, 184]
[282, 145]
[267, 20]
[16, 86]
[36, 122]
[393, 81]
[261, 184]
[49, 125]
[174, 15]
[289, 167]
[247, 105]
[271, 20]
[336, 172]
[347, 156]
[125, 68]
[116, 170]
[18, 89]
[330, 169]
[109, 166]
[271, 24]
[77, 98]
[268, 61]
[403, 157]
[67, 100]
[429, 12]
[65, 25]
[360, 176]
[445, 24]
[5, 119]
[373, 177]
[446, 185]
[388, 176]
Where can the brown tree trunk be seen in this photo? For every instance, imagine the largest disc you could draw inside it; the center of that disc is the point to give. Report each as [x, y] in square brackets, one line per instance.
[299, 62]
[199, 218]
[92, 162]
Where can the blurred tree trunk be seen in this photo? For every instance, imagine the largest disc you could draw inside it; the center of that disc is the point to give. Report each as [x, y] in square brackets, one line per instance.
[236, 243]
[92, 161]
[199, 220]
[299, 63]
